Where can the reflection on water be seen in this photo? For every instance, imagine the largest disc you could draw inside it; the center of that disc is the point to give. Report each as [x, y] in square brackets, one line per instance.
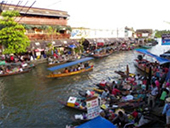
[31, 100]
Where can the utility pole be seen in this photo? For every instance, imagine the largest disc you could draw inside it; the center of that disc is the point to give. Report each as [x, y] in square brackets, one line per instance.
[117, 32]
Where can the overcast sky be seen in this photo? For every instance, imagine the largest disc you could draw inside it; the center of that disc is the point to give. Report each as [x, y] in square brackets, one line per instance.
[139, 14]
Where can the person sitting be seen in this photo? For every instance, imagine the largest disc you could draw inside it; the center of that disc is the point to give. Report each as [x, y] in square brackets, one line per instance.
[20, 69]
[1, 71]
[82, 65]
[79, 68]
[75, 69]
[121, 119]
[86, 65]
[105, 94]
[66, 70]
[102, 84]
[71, 69]
[115, 91]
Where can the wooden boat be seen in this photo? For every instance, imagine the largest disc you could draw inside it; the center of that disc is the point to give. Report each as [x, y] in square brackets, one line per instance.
[98, 90]
[86, 69]
[55, 64]
[147, 46]
[144, 64]
[70, 73]
[80, 118]
[101, 55]
[75, 102]
[14, 73]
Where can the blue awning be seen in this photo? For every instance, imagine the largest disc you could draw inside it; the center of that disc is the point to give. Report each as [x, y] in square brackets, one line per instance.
[70, 64]
[98, 122]
[159, 59]
[165, 55]
[72, 46]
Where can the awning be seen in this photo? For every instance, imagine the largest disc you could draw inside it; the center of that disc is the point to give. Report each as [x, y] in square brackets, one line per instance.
[91, 41]
[159, 59]
[2, 63]
[72, 46]
[70, 64]
[39, 50]
[100, 44]
[98, 122]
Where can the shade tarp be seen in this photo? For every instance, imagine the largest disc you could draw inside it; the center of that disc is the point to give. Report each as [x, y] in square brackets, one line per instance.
[98, 122]
[72, 46]
[2, 63]
[70, 64]
[165, 55]
[159, 59]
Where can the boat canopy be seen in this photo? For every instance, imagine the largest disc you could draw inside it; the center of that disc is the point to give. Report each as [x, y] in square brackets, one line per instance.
[165, 55]
[159, 59]
[70, 64]
[98, 122]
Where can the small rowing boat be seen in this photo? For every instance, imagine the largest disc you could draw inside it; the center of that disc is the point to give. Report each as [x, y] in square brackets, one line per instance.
[15, 73]
[76, 103]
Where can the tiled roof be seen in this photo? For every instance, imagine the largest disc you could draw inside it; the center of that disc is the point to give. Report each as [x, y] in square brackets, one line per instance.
[34, 11]
[144, 31]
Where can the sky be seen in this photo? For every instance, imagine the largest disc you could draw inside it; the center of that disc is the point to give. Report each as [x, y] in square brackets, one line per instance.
[110, 14]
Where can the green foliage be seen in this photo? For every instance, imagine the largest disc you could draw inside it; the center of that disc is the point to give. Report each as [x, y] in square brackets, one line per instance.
[68, 28]
[158, 34]
[46, 27]
[12, 35]
[10, 14]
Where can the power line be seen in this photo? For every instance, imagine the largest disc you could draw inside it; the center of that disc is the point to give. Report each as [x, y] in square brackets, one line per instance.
[22, 8]
[19, 2]
[27, 10]
[54, 3]
[4, 5]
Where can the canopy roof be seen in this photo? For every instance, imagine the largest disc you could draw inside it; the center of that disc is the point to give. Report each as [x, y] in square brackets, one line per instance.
[165, 55]
[159, 59]
[98, 122]
[70, 64]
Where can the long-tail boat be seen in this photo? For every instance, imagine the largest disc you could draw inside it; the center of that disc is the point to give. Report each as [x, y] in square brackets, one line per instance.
[145, 64]
[56, 75]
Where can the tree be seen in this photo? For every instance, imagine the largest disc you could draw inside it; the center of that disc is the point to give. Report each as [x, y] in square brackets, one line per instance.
[12, 35]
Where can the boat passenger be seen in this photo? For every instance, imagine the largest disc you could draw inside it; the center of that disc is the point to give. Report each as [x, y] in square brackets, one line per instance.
[105, 94]
[66, 70]
[75, 69]
[82, 65]
[71, 69]
[115, 91]
[121, 119]
[20, 69]
[1, 71]
[86, 65]
[79, 68]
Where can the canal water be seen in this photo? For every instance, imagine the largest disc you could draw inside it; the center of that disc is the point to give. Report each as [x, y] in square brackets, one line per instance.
[31, 100]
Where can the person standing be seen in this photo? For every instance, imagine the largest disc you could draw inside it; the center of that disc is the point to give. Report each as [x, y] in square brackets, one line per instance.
[166, 111]
[153, 95]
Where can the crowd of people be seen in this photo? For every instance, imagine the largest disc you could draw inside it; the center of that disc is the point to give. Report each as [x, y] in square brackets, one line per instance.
[78, 68]
[138, 92]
